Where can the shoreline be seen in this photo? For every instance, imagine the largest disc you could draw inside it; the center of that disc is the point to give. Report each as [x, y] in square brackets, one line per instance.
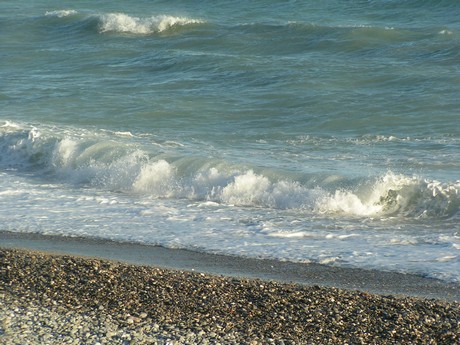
[67, 299]
[372, 281]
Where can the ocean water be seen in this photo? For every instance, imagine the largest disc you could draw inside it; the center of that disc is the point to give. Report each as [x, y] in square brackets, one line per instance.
[297, 130]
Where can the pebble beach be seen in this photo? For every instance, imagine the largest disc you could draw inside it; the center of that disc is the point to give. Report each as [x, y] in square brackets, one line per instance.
[64, 299]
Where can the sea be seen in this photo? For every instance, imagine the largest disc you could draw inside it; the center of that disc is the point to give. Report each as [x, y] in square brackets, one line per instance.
[303, 131]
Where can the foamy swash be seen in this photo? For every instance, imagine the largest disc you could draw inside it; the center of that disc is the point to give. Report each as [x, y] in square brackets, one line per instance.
[120, 162]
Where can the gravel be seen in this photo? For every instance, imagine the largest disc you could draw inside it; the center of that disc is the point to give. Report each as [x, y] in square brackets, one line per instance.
[61, 299]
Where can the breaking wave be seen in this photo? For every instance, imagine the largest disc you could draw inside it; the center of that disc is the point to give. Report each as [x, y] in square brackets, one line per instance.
[395, 194]
[115, 162]
[120, 22]
[61, 13]
[124, 23]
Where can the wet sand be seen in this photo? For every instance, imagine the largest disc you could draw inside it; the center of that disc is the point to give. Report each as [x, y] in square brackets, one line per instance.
[372, 281]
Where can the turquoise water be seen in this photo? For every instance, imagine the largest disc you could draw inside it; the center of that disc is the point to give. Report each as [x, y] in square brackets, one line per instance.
[302, 131]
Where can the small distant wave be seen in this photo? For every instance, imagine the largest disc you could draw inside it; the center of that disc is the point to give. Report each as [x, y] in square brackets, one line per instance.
[300, 37]
[289, 36]
[367, 33]
[110, 161]
[120, 22]
[60, 13]
[445, 32]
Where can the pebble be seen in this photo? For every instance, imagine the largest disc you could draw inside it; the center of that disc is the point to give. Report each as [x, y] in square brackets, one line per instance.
[98, 302]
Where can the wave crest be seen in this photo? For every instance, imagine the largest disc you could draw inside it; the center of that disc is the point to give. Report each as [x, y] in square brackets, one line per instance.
[117, 22]
[396, 195]
[60, 13]
[111, 162]
[123, 23]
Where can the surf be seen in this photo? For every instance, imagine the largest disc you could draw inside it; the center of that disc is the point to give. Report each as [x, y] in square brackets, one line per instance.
[116, 161]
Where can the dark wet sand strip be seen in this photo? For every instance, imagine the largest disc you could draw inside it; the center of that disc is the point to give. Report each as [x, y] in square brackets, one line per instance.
[309, 274]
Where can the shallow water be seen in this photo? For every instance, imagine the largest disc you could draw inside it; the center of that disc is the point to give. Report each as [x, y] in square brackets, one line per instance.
[298, 131]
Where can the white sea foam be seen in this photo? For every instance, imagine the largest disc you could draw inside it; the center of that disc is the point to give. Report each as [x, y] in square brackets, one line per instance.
[328, 261]
[404, 241]
[295, 234]
[247, 189]
[124, 134]
[445, 32]
[251, 189]
[10, 126]
[157, 178]
[312, 235]
[124, 23]
[60, 13]
[110, 162]
[447, 258]
[394, 194]
[121, 22]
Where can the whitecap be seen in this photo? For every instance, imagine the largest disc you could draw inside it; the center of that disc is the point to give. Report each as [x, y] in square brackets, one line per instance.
[60, 13]
[328, 261]
[295, 234]
[447, 258]
[394, 194]
[445, 32]
[10, 125]
[123, 23]
[156, 178]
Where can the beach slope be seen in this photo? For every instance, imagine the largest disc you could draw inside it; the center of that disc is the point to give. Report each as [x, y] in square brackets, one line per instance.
[64, 299]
